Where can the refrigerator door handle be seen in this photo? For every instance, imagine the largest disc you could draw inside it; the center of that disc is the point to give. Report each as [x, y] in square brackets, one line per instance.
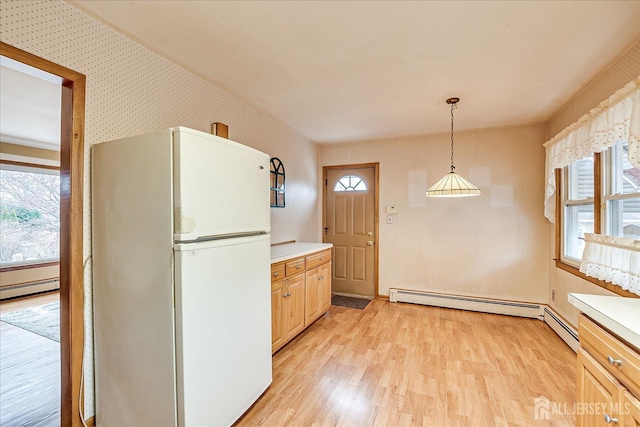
[224, 237]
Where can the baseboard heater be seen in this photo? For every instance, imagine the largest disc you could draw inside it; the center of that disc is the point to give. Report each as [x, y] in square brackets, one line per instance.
[467, 303]
[562, 328]
[534, 311]
[27, 288]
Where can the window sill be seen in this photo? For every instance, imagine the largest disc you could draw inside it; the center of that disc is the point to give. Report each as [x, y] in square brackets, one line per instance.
[608, 286]
[28, 266]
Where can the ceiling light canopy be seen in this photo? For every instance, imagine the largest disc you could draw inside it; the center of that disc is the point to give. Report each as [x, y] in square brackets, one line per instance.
[452, 184]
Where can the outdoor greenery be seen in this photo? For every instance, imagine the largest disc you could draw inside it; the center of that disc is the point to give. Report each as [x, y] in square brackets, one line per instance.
[29, 216]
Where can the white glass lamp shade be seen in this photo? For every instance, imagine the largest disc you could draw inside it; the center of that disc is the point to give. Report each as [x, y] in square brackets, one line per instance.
[453, 185]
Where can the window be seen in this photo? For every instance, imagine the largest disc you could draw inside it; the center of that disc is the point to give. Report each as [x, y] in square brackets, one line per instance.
[29, 215]
[600, 194]
[350, 183]
[622, 193]
[578, 206]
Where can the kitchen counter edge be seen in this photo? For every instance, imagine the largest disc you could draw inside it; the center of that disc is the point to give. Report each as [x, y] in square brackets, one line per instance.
[618, 314]
[289, 251]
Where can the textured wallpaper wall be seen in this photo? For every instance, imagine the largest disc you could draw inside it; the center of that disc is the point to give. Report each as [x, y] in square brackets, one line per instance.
[494, 245]
[132, 90]
[614, 77]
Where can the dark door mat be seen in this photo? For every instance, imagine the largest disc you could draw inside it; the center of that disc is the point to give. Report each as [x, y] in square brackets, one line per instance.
[349, 302]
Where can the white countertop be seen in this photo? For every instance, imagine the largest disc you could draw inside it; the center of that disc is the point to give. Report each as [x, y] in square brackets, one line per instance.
[294, 250]
[618, 314]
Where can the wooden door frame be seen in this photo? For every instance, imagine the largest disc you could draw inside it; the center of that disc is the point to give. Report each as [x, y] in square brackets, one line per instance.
[376, 216]
[71, 230]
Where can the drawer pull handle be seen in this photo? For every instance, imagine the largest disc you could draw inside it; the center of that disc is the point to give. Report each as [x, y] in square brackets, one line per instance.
[609, 420]
[321, 277]
[613, 361]
[275, 274]
[298, 267]
[288, 294]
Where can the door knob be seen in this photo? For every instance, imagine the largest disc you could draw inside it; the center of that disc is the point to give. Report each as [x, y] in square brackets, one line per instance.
[370, 233]
[370, 243]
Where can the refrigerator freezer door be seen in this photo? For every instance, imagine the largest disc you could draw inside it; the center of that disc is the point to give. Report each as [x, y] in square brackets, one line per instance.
[220, 186]
[223, 328]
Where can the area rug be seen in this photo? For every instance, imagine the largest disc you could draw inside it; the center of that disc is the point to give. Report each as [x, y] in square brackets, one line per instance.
[349, 302]
[43, 320]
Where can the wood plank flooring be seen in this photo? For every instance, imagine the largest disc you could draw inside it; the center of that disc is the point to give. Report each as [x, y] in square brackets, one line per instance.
[395, 364]
[31, 301]
[29, 372]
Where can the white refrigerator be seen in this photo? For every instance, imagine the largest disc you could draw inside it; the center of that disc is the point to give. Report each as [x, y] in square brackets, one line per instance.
[181, 289]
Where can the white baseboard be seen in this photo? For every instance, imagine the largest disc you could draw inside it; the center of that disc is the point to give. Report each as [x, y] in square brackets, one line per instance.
[484, 305]
[24, 289]
[562, 328]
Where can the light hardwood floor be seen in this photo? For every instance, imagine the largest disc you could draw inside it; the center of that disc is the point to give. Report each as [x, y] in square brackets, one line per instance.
[31, 301]
[29, 371]
[395, 364]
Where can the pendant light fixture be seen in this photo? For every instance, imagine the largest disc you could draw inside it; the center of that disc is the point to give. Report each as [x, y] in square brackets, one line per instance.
[452, 184]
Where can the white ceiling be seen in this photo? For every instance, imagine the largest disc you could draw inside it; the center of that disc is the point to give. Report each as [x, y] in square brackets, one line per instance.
[347, 70]
[30, 105]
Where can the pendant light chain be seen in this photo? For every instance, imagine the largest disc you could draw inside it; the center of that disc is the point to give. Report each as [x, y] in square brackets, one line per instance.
[453, 105]
[452, 184]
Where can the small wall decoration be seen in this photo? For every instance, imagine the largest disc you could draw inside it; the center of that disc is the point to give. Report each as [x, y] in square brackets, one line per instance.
[277, 183]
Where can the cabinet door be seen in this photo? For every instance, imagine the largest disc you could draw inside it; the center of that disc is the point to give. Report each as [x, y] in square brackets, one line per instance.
[324, 288]
[596, 385]
[631, 408]
[277, 315]
[312, 306]
[293, 306]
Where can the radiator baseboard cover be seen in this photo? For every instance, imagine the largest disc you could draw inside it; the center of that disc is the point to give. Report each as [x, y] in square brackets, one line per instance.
[484, 305]
[562, 328]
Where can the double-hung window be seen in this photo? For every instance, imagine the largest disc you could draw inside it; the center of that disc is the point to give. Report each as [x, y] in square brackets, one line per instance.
[621, 198]
[578, 206]
[600, 194]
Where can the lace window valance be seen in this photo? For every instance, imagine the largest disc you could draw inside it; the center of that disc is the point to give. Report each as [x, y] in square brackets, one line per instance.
[613, 259]
[616, 119]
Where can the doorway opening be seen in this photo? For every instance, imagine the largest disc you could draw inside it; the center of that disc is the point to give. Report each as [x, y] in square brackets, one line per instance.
[71, 228]
[350, 223]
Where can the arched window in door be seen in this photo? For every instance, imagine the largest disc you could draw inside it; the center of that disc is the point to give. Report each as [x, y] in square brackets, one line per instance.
[350, 183]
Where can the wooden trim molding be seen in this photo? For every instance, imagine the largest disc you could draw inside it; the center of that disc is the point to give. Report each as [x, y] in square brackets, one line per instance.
[28, 266]
[71, 228]
[613, 288]
[29, 165]
[376, 211]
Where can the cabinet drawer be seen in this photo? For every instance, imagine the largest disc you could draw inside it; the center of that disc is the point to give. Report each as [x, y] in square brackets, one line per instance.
[318, 258]
[277, 271]
[618, 358]
[294, 266]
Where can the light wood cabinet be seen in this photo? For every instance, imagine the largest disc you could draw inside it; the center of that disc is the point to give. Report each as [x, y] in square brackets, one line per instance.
[300, 294]
[632, 406]
[608, 378]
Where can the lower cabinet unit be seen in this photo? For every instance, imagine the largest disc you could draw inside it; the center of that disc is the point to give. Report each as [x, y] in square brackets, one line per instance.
[608, 378]
[300, 294]
[632, 417]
